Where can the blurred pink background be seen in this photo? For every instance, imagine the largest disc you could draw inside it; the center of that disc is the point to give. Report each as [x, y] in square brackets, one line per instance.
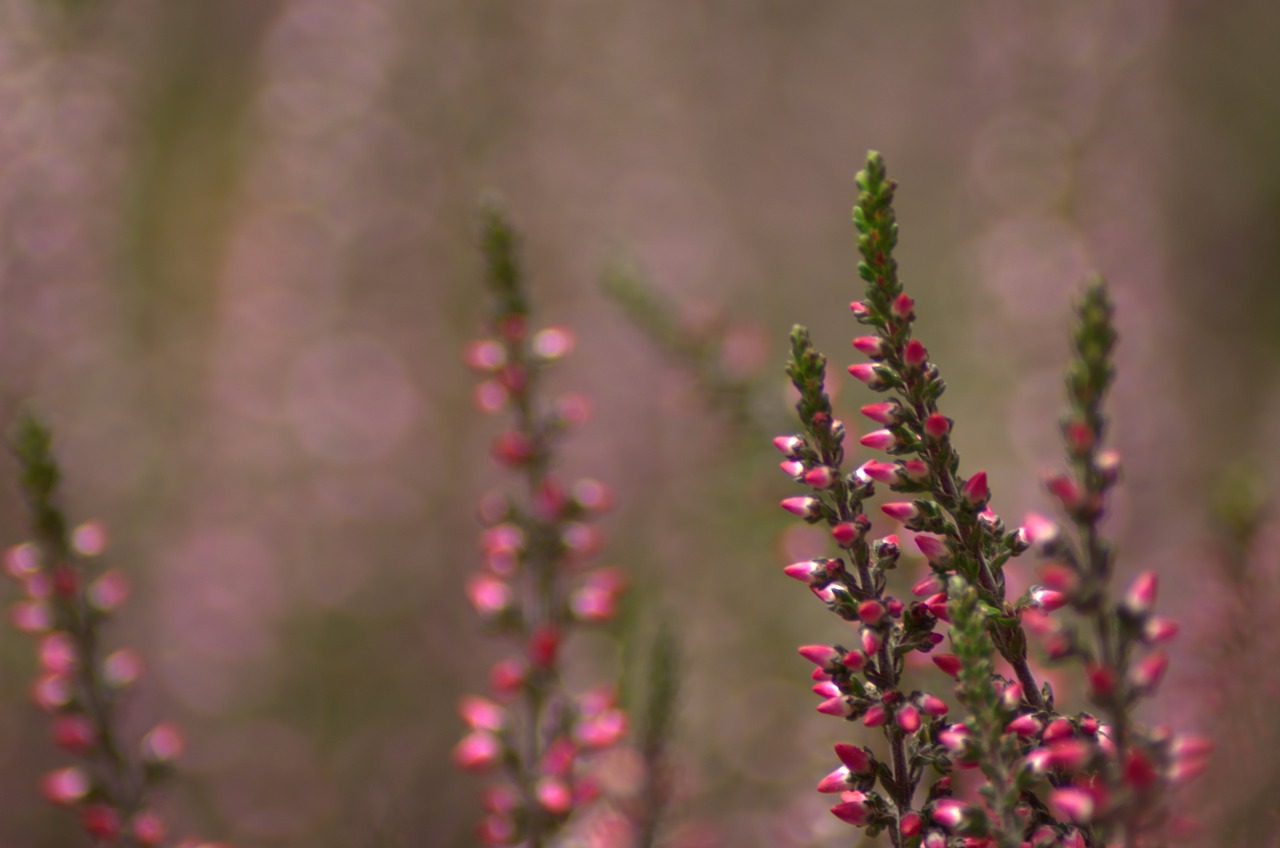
[237, 269]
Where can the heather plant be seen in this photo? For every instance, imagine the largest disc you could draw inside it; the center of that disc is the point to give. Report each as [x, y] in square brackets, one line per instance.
[535, 584]
[1049, 776]
[68, 599]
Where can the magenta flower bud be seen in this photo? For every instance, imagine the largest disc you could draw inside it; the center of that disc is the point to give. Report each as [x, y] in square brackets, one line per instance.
[872, 346]
[933, 705]
[1011, 696]
[163, 743]
[1142, 593]
[1059, 728]
[1024, 725]
[1038, 530]
[853, 810]
[883, 472]
[916, 471]
[854, 660]
[871, 639]
[949, 664]
[859, 309]
[1071, 803]
[1047, 599]
[914, 354]
[543, 645]
[838, 706]
[1071, 755]
[793, 468]
[836, 781]
[789, 445]
[880, 440]
[975, 490]
[908, 718]
[950, 813]
[1059, 576]
[955, 739]
[1079, 437]
[823, 656]
[869, 373]
[481, 713]
[887, 413]
[902, 308]
[934, 839]
[1065, 489]
[825, 689]
[31, 616]
[937, 605]
[552, 343]
[478, 751]
[73, 732]
[490, 596]
[819, 477]
[845, 534]
[805, 507]
[484, 355]
[871, 612]
[937, 426]
[903, 511]
[855, 759]
[910, 824]
[1102, 680]
[1158, 630]
[1146, 673]
[893, 606]
[66, 785]
[934, 548]
[875, 716]
[554, 795]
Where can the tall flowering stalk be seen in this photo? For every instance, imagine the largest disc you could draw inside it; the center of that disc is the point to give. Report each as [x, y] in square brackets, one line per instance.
[534, 584]
[68, 598]
[1050, 778]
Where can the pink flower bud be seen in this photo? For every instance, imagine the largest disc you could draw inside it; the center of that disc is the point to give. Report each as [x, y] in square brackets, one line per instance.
[854, 660]
[1102, 681]
[108, 592]
[873, 375]
[937, 426]
[1071, 755]
[72, 732]
[872, 346]
[902, 308]
[855, 759]
[1047, 599]
[955, 739]
[489, 396]
[147, 828]
[875, 716]
[1071, 803]
[1011, 697]
[858, 308]
[823, 656]
[903, 511]
[916, 471]
[845, 534]
[65, 786]
[601, 730]
[838, 706]
[544, 645]
[512, 448]
[908, 718]
[949, 664]
[481, 713]
[552, 343]
[31, 616]
[1158, 630]
[496, 830]
[100, 821]
[1024, 725]
[489, 596]
[1079, 436]
[57, 653]
[1146, 673]
[937, 605]
[914, 354]
[793, 468]
[554, 795]
[950, 813]
[871, 612]
[805, 507]
[1065, 489]
[1037, 529]
[1059, 576]
[933, 705]
[887, 413]
[51, 692]
[478, 751]
[871, 640]
[22, 561]
[1139, 771]
[880, 440]
[1142, 593]
[507, 677]
[1059, 728]
[162, 744]
[789, 445]
[975, 491]
[819, 477]
[883, 472]
[853, 809]
[910, 824]
[933, 547]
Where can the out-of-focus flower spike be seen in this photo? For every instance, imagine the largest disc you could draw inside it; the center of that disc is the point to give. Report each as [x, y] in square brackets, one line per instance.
[1145, 674]
[1073, 804]
[65, 786]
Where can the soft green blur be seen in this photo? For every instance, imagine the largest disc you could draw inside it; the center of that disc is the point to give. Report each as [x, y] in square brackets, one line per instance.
[237, 269]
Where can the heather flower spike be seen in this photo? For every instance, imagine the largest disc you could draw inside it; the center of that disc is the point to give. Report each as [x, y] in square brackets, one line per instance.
[1050, 778]
[68, 601]
[534, 737]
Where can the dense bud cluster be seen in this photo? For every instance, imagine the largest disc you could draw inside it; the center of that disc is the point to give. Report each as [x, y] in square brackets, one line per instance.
[1050, 778]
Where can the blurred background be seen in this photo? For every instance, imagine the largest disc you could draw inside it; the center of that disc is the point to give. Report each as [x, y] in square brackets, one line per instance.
[237, 268]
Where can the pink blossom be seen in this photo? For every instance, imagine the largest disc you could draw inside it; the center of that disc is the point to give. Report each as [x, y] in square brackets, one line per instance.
[903, 511]
[937, 425]
[887, 413]
[880, 440]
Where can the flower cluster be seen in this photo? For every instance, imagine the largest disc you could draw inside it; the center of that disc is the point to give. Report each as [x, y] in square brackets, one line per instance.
[67, 598]
[1051, 778]
[535, 581]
